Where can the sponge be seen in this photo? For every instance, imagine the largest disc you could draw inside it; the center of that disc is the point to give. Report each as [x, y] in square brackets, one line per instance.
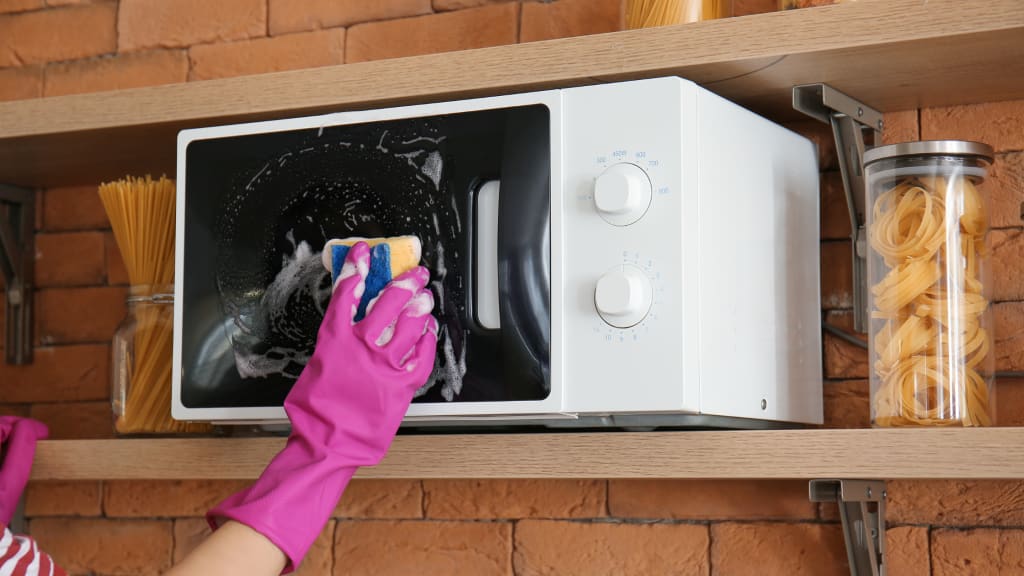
[389, 258]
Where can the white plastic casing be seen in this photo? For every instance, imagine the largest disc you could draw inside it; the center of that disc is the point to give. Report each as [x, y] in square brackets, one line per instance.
[728, 241]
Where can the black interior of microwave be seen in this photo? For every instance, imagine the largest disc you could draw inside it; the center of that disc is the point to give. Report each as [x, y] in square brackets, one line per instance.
[258, 209]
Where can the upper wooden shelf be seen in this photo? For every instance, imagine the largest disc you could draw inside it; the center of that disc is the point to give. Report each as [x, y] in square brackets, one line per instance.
[996, 453]
[891, 54]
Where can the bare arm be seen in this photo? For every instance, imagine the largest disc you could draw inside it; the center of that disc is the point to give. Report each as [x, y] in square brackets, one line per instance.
[234, 549]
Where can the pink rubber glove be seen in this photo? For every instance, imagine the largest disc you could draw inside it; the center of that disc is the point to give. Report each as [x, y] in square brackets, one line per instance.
[18, 438]
[345, 408]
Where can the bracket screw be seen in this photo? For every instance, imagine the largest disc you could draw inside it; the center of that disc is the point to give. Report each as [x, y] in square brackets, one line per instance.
[869, 492]
[860, 111]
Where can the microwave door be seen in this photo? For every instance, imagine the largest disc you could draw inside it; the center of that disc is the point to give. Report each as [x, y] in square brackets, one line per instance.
[259, 207]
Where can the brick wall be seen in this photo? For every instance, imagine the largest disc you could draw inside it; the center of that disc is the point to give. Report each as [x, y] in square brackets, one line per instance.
[521, 527]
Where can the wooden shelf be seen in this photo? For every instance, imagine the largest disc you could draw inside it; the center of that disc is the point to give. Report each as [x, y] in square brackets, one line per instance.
[891, 54]
[996, 453]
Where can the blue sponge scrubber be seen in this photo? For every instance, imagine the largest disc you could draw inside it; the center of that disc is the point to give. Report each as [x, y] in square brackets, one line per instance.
[389, 258]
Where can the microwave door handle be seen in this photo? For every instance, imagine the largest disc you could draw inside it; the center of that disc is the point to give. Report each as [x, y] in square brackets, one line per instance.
[486, 298]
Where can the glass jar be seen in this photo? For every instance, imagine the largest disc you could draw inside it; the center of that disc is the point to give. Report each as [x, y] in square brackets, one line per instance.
[930, 338]
[794, 4]
[141, 364]
[651, 13]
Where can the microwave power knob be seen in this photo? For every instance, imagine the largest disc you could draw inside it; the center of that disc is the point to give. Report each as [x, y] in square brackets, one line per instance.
[623, 296]
[622, 193]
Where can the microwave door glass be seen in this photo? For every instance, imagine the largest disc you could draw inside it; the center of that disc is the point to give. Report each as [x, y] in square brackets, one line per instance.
[259, 208]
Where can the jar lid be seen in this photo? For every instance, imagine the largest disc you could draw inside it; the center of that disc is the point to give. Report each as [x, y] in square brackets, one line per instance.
[930, 148]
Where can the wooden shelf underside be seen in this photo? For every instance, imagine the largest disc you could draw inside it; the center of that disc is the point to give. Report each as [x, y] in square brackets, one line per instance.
[877, 454]
[890, 54]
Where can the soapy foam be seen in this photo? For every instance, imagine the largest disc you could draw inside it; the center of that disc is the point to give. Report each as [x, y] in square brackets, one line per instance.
[273, 325]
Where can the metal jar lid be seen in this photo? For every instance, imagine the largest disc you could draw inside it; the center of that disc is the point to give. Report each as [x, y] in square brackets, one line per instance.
[930, 148]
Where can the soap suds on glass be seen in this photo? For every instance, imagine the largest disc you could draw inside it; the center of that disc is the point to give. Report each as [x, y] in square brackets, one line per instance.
[367, 181]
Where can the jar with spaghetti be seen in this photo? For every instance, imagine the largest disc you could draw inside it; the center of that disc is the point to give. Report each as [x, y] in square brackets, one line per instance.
[141, 364]
[930, 332]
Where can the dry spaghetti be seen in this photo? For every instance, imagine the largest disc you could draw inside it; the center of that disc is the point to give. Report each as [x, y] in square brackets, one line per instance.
[141, 212]
[652, 13]
[930, 233]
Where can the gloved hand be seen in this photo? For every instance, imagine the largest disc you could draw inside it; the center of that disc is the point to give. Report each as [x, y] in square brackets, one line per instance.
[345, 408]
[18, 438]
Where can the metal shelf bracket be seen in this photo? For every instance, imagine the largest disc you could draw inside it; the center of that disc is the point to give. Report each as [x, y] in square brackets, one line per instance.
[17, 257]
[852, 122]
[862, 510]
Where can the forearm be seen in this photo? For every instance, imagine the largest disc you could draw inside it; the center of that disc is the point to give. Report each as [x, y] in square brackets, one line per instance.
[234, 549]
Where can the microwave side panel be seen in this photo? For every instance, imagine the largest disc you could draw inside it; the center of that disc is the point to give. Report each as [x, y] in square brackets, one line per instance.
[641, 368]
[760, 310]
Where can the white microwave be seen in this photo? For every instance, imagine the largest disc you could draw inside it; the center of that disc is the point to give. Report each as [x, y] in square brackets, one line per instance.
[632, 254]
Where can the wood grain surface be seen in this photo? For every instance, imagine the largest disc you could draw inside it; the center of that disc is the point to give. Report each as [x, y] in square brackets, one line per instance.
[882, 454]
[891, 54]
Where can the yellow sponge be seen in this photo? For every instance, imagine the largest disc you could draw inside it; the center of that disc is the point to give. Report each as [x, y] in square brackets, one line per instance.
[403, 253]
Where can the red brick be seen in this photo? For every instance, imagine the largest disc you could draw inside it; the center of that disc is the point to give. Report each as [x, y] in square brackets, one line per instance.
[836, 275]
[901, 127]
[301, 15]
[19, 5]
[1007, 264]
[550, 548]
[758, 549]
[566, 18]
[468, 499]
[59, 374]
[308, 50]
[471, 28]
[165, 498]
[77, 208]
[1005, 190]
[709, 499]
[906, 551]
[844, 361]
[72, 259]
[998, 124]
[189, 532]
[1009, 399]
[21, 83]
[748, 7]
[977, 552]
[181, 23]
[76, 420]
[106, 546]
[1008, 335]
[22, 410]
[442, 5]
[72, 315]
[117, 72]
[956, 502]
[847, 404]
[62, 499]
[59, 34]
[372, 548]
[391, 499]
[821, 135]
[835, 216]
[117, 274]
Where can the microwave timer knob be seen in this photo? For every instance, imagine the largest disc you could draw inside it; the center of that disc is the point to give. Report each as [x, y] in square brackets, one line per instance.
[623, 296]
[622, 193]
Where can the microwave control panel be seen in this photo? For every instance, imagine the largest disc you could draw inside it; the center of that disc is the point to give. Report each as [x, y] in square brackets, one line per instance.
[690, 239]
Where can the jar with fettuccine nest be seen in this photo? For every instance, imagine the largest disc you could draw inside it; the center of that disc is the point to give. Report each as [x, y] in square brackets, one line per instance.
[930, 333]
